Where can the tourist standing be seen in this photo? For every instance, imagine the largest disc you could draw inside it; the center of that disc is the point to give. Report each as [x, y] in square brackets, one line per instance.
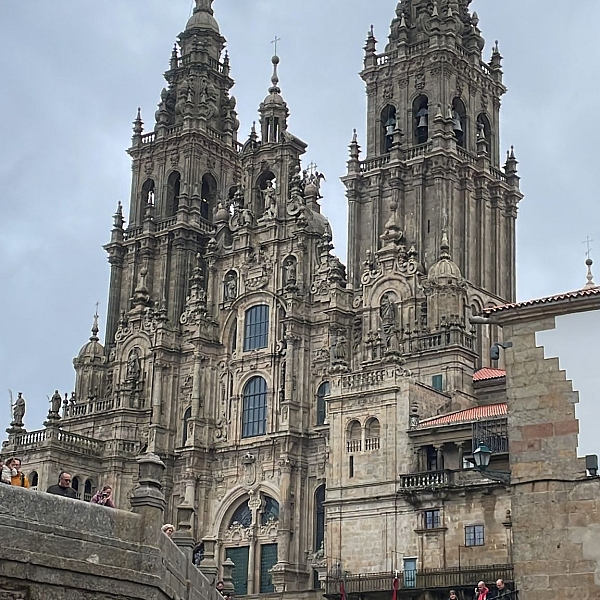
[63, 487]
[16, 476]
[103, 497]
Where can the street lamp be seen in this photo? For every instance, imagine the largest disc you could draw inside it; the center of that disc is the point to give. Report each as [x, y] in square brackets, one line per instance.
[482, 457]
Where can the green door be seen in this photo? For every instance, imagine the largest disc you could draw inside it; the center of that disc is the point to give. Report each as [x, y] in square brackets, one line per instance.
[268, 559]
[239, 557]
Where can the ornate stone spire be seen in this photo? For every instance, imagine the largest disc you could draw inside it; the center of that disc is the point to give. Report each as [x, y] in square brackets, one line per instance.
[590, 277]
[274, 111]
[95, 328]
[589, 262]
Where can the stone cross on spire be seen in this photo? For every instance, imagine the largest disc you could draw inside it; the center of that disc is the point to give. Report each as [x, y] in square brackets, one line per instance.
[274, 42]
[589, 262]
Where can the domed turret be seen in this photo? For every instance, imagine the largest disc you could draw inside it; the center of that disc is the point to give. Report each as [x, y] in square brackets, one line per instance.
[93, 349]
[445, 270]
[203, 17]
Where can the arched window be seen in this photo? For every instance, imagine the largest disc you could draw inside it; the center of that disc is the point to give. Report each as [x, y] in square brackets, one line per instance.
[459, 121]
[146, 197]
[270, 511]
[421, 119]
[187, 415]
[388, 124]
[372, 434]
[484, 127]
[254, 412]
[75, 483]
[354, 437]
[319, 518]
[256, 328]
[87, 490]
[242, 515]
[323, 391]
[33, 479]
[208, 196]
[173, 192]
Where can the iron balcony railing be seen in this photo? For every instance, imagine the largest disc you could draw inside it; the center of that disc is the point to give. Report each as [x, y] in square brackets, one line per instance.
[451, 577]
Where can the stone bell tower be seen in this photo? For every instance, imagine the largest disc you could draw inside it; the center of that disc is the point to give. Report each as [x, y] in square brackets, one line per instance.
[433, 150]
[179, 171]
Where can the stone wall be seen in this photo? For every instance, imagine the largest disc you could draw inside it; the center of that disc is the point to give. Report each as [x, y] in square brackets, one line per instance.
[556, 507]
[57, 548]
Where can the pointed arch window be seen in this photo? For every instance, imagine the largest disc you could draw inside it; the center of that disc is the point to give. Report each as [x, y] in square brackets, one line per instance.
[173, 192]
[254, 411]
[322, 393]
[34, 479]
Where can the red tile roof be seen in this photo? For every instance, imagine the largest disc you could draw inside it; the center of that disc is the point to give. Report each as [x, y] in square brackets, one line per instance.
[468, 415]
[592, 291]
[487, 373]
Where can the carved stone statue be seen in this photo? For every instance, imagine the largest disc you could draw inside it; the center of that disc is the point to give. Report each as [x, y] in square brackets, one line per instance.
[18, 412]
[289, 271]
[231, 287]
[133, 365]
[269, 195]
[340, 350]
[55, 403]
[387, 312]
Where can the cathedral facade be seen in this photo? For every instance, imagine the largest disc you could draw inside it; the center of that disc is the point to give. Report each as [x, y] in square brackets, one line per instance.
[304, 410]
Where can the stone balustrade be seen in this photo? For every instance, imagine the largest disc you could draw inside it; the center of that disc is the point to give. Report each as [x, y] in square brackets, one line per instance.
[426, 480]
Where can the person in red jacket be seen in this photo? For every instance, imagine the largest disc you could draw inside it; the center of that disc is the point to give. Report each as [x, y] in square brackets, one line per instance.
[481, 591]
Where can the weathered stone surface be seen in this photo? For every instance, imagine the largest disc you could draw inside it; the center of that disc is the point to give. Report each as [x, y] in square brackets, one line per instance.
[60, 549]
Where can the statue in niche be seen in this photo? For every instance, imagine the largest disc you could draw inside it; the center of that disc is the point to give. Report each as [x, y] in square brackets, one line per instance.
[289, 272]
[340, 349]
[387, 312]
[231, 287]
[207, 99]
[133, 365]
[269, 196]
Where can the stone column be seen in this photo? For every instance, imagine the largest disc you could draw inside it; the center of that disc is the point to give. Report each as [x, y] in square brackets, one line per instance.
[281, 574]
[460, 448]
[183, 536]
[147, 499]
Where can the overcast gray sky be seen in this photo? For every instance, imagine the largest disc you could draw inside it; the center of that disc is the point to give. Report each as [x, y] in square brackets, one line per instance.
[74, 72]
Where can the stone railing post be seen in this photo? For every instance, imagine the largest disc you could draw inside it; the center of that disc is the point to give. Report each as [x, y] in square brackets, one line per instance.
[208, 566]
[228, 567]
[147, 499]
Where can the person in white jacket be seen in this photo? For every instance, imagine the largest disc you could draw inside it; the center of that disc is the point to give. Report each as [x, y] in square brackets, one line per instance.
[4, 473]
